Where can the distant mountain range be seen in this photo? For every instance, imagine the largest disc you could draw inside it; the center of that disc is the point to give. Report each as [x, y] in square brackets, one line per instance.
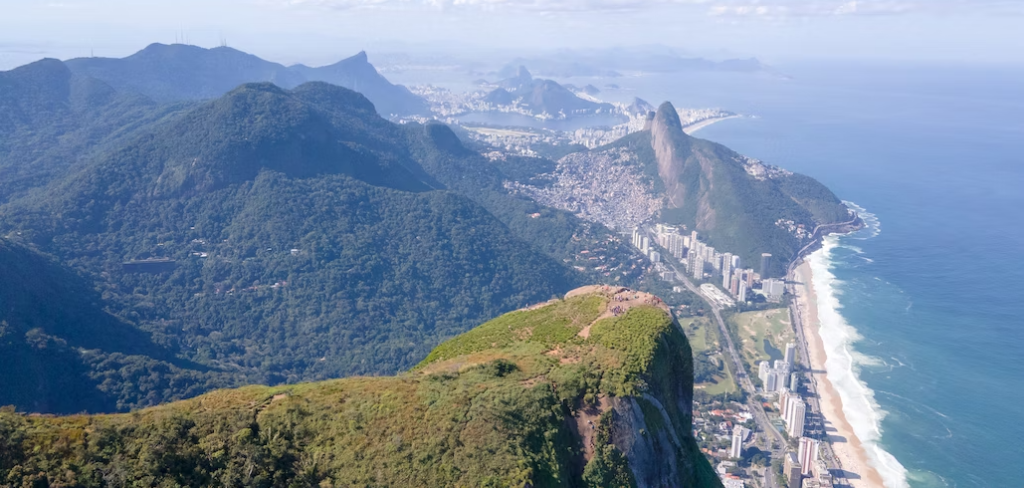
[175, 72]
[614, 62]
[543, 96]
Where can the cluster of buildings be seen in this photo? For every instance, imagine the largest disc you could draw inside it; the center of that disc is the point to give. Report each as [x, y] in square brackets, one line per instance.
[803, 469]
[703, 261]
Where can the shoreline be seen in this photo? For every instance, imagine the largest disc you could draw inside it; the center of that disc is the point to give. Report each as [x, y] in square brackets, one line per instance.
[696, 126]
[846, 446]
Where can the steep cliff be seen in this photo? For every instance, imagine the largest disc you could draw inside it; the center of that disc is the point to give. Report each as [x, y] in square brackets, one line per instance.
[591, 390]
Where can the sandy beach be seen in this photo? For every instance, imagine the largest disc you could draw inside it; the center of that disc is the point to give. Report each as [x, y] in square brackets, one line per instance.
[845, 445]
[690, 129]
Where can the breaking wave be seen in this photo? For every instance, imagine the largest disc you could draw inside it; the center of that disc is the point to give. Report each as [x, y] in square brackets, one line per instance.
[843, 364]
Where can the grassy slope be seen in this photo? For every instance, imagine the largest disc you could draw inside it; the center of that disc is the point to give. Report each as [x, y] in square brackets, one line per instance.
[487, 408]
[754, 327]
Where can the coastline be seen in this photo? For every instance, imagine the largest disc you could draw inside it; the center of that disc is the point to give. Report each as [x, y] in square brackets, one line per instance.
[846, 446]
[694, 127]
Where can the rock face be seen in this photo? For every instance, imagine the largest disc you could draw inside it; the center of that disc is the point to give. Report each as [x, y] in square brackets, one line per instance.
[688, 175]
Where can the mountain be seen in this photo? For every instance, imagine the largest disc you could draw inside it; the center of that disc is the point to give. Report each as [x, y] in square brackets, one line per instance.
[181, 72]
[737, 204]
[612, 62]
[542, 96]
[566, 393]
[356, 73]
[52, 119]
[279, 235]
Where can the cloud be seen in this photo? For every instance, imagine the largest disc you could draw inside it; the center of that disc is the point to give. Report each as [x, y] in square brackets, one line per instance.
[772, 9]
[498, 5]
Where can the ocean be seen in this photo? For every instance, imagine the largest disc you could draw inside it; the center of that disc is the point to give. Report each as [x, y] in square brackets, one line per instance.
[930, 295]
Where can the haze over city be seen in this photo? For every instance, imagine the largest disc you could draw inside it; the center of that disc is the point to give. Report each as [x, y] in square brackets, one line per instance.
[318, 31]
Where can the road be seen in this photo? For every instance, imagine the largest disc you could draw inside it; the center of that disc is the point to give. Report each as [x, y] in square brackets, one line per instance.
[739, 371]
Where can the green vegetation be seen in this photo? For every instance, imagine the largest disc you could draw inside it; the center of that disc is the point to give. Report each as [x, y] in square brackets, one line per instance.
[711, 372]
[753, 329]
[311, 239]
[485, 416]
[549, 325]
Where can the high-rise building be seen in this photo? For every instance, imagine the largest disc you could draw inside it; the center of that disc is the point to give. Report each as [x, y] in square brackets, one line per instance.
[655, 256]
[726, 270]
[735, 262]
[807, 454]
[766, 264]
[784, 398]
[741, 293]
[773, 289]
[697, 267]
[645, 244]
[762, 371]
[790, 354]
[795, 427]
[736, 449]
[636, 238]
[750, 278]
[771, 383]
[794, 381]
[782, 370]
[793, 470]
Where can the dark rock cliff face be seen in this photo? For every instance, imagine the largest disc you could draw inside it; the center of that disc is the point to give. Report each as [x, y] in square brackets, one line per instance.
[654, 429]
[688, 174]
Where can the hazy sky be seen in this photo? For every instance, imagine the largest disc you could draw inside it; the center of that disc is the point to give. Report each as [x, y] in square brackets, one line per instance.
[321, 31]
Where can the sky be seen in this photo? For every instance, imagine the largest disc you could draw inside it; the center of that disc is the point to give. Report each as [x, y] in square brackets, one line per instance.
[322, 31]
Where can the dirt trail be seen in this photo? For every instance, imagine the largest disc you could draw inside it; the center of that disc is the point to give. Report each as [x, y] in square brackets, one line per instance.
[622, 299]
[587, 419]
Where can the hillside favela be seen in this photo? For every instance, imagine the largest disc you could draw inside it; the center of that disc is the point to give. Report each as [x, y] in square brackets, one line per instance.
[420, 243]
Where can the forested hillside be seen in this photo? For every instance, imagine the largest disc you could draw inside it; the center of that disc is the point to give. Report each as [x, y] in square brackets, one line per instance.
[279, 236]
[51, 120]
[565, 394]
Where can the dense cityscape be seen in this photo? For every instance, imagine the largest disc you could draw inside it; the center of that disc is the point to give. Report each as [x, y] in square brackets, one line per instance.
[736, 439]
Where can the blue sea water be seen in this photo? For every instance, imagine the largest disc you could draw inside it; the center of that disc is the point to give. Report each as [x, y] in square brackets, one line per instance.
[932, 290]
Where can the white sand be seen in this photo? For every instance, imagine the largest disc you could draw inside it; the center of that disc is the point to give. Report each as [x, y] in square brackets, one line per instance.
[845, 444]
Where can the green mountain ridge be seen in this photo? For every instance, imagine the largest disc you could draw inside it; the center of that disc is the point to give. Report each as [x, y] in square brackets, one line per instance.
[562, 394]
[310, 239]
[51, 120]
